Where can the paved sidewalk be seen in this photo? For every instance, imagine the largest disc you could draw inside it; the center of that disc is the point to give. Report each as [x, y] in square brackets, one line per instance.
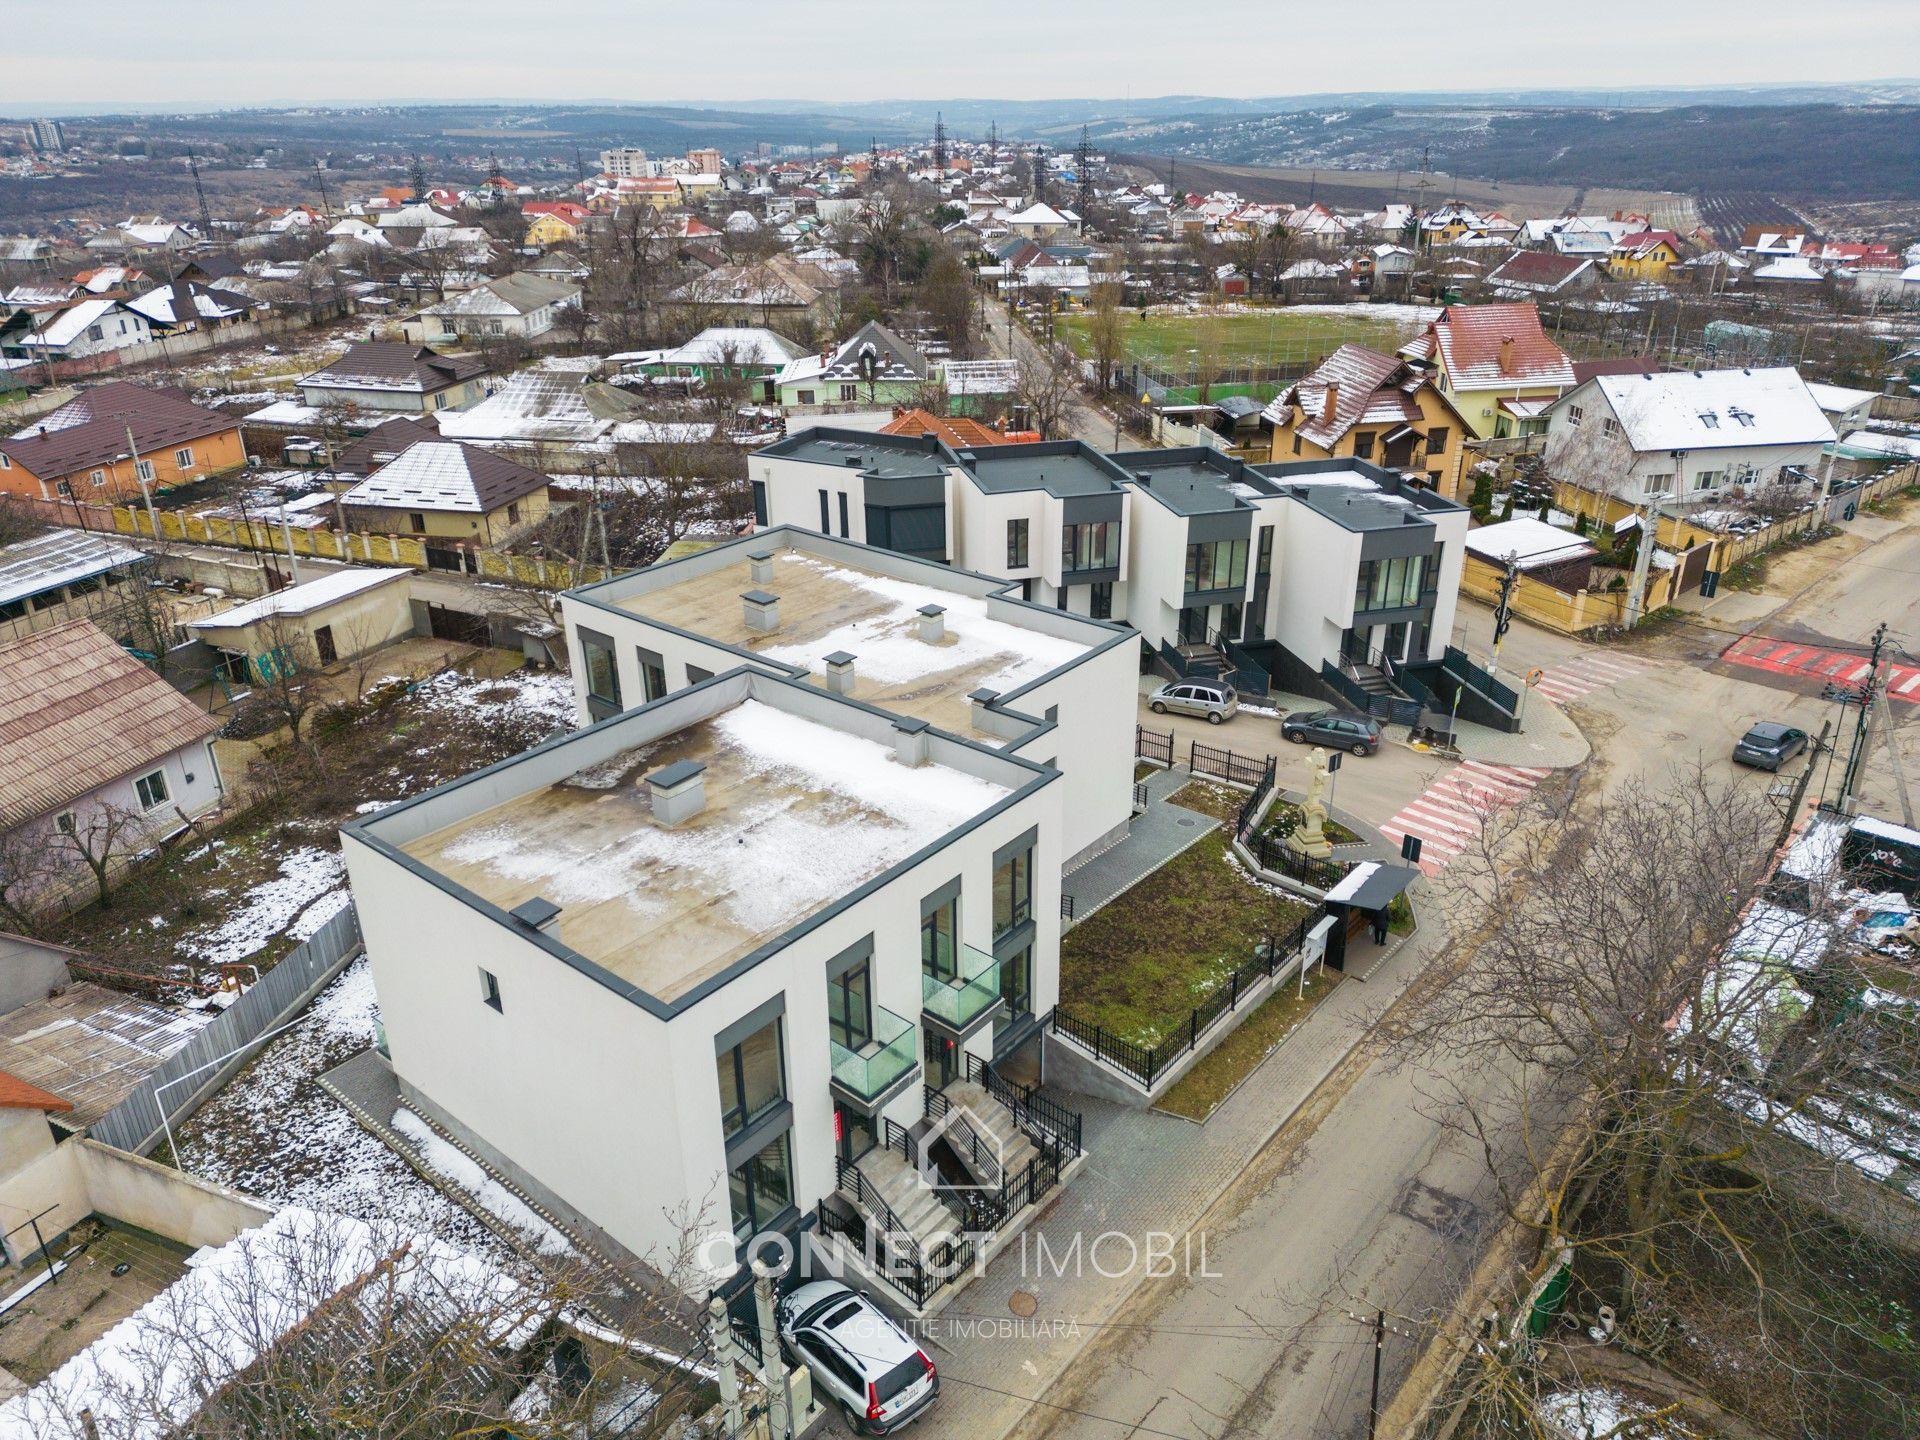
[1156, 835]
[1146, 1173]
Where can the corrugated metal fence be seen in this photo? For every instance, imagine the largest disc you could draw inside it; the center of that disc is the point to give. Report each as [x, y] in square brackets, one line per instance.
[134, 1124]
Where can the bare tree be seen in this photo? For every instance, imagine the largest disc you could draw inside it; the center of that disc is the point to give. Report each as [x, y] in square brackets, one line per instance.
[98, 834]
[24, 867]
[1210, 352]
[1106, 333]
[946, 295]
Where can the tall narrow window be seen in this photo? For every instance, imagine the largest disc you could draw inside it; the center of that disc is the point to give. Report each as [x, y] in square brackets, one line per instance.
[939, 937]
[1012, 892]
[845, 532]
[1017, 545]
[850, 1006]
[750, 1079]
[602, 670]
[826, 524]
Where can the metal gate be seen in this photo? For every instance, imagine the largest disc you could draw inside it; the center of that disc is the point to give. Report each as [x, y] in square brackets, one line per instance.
[445, 623]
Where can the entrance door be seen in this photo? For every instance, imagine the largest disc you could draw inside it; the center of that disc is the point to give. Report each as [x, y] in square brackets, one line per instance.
[942, 1058]
[323, 642]
[1230, 616]
[1396, 646]
[1193, 625]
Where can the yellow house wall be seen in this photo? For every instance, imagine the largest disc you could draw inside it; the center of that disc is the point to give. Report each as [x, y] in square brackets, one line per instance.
[359, 623]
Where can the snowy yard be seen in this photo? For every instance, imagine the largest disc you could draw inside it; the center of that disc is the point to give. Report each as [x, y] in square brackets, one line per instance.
[274, 1133]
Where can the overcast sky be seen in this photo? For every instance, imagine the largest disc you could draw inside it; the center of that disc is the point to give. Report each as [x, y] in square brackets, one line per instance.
[248, 52]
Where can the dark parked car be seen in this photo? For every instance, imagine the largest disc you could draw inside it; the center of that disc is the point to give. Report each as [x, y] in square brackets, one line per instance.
[1769, 745]
[1336, 729]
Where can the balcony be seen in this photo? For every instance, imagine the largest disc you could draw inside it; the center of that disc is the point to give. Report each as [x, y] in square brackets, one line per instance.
[882, 1067]
[971, 996]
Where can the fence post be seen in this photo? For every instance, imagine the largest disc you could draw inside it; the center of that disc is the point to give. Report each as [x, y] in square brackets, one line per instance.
[1193, 1028]
[1192, 746]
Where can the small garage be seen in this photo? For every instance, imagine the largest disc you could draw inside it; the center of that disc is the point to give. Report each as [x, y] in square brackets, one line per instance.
[309, 626]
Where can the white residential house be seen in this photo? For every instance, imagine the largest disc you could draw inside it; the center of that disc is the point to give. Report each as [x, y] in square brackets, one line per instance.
[1689, 436]
[1193, 549]
[87, 327]
[771, 917]
[97, 754]
[522, 306]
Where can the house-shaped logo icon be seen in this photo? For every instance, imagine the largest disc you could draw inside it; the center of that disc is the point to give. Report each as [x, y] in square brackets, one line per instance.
[971, 1142]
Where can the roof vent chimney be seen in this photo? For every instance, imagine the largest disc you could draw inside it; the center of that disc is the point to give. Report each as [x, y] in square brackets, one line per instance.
[760, 611]
[1506, 355]
[910, 741]
[840, 673]
[678, 793]
[981, 699]
[933, 623]
[760, 567]
[539, 913]
[1330, 402]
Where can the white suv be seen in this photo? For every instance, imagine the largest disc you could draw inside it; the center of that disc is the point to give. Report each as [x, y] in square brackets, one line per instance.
[857, 1355]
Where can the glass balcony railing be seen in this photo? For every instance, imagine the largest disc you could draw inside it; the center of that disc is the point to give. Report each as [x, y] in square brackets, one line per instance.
[971, 993]
[878, 1065]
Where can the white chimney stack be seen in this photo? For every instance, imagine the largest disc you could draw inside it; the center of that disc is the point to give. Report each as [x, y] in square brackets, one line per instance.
[840, 673]
[678, 793]
[910, 745]
[933, 623]
[760, 611]
[760, 567]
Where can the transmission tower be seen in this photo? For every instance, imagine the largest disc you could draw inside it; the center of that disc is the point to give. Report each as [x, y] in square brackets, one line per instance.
[419, 179]
[993, 142]
[1083, 168]
[1039, 173]
[320, 179]
[939, 142]
[206, 215]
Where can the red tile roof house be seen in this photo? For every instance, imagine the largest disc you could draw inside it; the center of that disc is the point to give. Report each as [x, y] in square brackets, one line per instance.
[1541, 272]
[1495, 363]
[94, 748]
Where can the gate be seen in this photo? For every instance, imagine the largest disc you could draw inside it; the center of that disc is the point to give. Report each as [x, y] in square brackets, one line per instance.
[445, 623]
[1153, 745]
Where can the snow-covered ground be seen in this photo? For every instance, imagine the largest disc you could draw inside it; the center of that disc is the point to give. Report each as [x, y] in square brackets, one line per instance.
[493, 1197]
[1596, 1410]
[275, 1134]
[288, 903]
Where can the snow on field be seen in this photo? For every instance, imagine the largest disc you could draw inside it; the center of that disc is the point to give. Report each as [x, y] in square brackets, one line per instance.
[1596, 1411]
[270, 907]
[490, 1194]
[540, 697]
[275, 1134]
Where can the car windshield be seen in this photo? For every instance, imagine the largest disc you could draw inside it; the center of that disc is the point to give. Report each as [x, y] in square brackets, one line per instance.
[907, 1373]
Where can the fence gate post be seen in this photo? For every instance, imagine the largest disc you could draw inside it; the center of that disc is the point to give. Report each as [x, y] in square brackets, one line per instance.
[1192, 748]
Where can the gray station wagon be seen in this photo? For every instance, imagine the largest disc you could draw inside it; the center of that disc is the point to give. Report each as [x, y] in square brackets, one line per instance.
[1212, 700]
[1336, 729]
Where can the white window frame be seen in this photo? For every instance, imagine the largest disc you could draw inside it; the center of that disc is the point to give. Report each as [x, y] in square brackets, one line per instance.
[96, 477]
[1658, 484]
[5, 462]
[66, 822]
[143, 470]
[1609, 426]
[183, 457]
[145, 785]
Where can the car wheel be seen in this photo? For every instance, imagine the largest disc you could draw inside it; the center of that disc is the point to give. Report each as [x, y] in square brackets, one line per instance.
[1158, 708]
[1213, 717]
[1298, 737]
[1359, 749]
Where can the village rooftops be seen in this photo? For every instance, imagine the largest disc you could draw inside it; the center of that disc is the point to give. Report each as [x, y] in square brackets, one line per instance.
[388, 365]
[684, 841]
[91, 429]
[59, 557]
[836, 596]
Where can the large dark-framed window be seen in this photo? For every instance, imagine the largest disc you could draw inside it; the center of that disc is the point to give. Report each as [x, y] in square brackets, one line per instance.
[850, 995]
[1012, 887]
[601, 667]
[1017, 552]
[752, 1082]
[760, 503]
[653, 673]
[846, 530]
[1016, 981]
[760, 1188]
[1216, 565]
[1389, 584]
[1100, 602]
[1262, 583]
[826, 522]
[940, 932]
[1091, 545]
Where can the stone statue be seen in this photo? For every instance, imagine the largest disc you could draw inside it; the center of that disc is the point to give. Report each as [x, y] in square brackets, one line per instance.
[1310, 838]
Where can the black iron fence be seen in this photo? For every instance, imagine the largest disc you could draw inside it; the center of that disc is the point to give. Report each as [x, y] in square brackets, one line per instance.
[1152, 745]
[1274, 854]
[894, 1256]
[1464, 670]
[1228, 765]
[1034, 1112]
[1145, 1063]
[1250, 811]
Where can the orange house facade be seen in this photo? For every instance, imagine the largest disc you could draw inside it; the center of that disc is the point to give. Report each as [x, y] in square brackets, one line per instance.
[116, 442]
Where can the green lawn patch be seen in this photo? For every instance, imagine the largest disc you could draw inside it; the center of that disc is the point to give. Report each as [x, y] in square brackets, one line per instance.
[1222, 802]
[1139, 965]
[1199, 1092]
[1269, 335]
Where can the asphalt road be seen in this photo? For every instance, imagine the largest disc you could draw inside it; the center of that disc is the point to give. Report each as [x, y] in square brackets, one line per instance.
[1083, 421]
[1364, 1201]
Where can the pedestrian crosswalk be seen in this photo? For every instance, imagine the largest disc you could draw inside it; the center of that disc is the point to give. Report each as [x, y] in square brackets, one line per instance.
[1568, 681]
[1449, 813]
[1816, 662]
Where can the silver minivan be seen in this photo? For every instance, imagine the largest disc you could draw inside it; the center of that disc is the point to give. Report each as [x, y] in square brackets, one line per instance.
[1211, 700]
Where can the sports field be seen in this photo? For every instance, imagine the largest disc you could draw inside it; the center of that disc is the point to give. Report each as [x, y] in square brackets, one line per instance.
[1252, 337]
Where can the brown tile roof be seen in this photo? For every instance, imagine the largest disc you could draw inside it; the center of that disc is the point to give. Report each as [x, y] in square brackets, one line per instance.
[1585, 370]
[91, 429]
[78, 712]
[960, 433]
[446, 475]
[17, 1094]
[1367, 387]
[1472, 347]
[389, 365]
[1546, 268]
[383, 443]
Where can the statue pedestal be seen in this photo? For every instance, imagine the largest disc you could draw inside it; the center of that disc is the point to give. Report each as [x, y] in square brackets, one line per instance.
[1311, 840]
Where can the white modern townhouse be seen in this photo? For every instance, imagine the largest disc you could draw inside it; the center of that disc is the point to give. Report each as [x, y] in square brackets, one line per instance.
[1690, 437]
[1335, 575]
[958, 651]
[734, 962]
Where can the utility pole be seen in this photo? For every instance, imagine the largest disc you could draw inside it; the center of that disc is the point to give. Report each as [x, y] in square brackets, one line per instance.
[773, 1365]
[133, 451]
[1503, 612]
[419, 180]
[1851, 776]
[720, 1336]
[320, 179]
[1379, 1348]
[1649, 536]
